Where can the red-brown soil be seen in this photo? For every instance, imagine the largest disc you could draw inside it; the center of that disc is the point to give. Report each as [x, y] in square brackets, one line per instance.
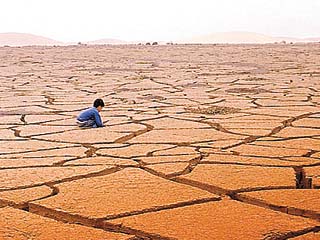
[201, 142]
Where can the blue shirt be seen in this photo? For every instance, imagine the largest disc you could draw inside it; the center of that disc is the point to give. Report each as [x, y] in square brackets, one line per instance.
[90, 114]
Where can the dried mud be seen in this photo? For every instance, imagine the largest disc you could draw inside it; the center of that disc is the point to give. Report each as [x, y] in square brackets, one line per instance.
[201, 142]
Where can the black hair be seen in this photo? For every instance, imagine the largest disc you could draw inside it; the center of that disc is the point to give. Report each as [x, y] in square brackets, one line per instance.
[98, 102]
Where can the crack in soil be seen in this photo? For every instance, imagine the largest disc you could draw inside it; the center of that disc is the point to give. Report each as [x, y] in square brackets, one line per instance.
[136, 133]
[102, 223]
[69, 179]
[302, 181]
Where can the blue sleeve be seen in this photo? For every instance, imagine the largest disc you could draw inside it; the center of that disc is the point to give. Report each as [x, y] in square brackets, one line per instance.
[97, 119]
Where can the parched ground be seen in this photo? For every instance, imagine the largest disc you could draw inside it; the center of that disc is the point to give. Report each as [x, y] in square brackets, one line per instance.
[201, 142]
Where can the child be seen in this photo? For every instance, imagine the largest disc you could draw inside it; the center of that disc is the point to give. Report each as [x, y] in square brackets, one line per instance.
[91, 116]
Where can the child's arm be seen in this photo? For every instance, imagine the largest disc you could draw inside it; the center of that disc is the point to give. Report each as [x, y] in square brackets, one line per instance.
[97, 119]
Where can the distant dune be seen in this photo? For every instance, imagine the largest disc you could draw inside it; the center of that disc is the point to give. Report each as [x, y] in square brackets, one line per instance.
[313, 39]
[240, 37]
[107, 41]
[25, 39]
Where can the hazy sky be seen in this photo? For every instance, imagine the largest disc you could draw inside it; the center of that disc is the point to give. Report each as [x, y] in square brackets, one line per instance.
[82, 20]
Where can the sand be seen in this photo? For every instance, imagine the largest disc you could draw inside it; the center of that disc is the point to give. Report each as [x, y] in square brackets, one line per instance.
[201, 142]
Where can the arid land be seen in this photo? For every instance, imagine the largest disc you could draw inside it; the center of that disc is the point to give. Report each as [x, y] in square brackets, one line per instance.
[201, 142]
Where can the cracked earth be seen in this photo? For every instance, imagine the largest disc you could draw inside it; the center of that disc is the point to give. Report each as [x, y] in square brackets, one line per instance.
[201, 142]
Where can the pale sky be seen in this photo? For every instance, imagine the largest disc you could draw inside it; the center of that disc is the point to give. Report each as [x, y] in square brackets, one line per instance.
[163, 20]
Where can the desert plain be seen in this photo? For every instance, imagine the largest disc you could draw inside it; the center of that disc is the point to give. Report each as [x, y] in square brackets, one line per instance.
[200, 142]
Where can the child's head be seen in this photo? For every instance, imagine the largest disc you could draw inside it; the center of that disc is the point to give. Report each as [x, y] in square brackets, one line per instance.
[98, 104]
